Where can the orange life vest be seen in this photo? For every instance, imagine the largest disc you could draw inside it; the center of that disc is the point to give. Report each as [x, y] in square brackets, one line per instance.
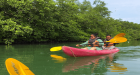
[108, 44]
[91, 41]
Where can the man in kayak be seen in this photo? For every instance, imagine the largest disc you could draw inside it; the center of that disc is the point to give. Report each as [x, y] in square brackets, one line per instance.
[93, 43]
[108, 45]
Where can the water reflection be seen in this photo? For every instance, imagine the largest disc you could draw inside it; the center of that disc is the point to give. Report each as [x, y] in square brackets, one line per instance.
[116, 67]
[9, 47]
[96, 64]
[59, 59]
[94, 61]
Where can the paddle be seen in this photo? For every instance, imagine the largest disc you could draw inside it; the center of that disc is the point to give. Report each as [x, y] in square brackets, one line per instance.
[59, 59]
[15, 67]
[119, 38]
[120, 35]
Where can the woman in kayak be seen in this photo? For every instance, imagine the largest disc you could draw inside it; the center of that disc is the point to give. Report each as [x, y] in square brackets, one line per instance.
[93, 43]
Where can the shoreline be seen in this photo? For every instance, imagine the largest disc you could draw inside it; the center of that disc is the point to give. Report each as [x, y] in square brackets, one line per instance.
[49, 42]
[46, 42]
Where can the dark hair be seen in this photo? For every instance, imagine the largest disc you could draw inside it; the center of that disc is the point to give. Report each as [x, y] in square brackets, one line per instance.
[95, 34]
[108, 35]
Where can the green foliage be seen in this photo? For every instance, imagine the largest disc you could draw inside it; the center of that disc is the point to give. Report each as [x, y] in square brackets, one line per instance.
[60, 20]
[10, 30]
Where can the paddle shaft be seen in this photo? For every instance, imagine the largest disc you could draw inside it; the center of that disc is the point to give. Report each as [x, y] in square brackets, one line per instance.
[96, 46]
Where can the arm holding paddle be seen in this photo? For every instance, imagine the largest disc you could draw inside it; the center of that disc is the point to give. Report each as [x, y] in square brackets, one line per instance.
[100, 43]
[83, 44]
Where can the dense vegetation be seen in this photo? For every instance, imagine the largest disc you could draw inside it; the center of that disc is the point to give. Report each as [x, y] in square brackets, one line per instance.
[60, 20]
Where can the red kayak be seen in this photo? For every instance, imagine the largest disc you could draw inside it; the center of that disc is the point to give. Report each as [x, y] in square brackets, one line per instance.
[76, 52]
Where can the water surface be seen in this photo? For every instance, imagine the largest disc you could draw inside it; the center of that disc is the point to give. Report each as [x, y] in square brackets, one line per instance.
[42, 62]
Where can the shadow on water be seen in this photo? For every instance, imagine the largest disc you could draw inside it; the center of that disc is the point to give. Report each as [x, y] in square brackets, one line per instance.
[96, 64]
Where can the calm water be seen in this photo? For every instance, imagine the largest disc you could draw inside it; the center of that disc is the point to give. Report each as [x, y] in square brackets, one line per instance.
[43, 62]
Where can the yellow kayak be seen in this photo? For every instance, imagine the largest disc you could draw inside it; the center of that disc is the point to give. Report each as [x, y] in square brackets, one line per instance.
[15, 67]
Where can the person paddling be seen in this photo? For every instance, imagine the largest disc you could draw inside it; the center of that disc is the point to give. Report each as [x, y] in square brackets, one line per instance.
[108, 45]
[93, 43]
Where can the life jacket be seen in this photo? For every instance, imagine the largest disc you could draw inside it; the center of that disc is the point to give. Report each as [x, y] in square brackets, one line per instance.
[107, 44]
[90, 41]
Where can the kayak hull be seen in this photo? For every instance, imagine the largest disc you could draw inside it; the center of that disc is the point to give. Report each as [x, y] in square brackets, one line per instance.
[76, 52]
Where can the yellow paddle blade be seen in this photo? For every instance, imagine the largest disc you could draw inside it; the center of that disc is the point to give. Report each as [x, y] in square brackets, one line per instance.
[15, 67]
[117, 40]
[59, 59]
[56, 48]
[120, 35]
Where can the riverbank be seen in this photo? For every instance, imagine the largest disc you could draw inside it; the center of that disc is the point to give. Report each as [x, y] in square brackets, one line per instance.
[65, 20]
